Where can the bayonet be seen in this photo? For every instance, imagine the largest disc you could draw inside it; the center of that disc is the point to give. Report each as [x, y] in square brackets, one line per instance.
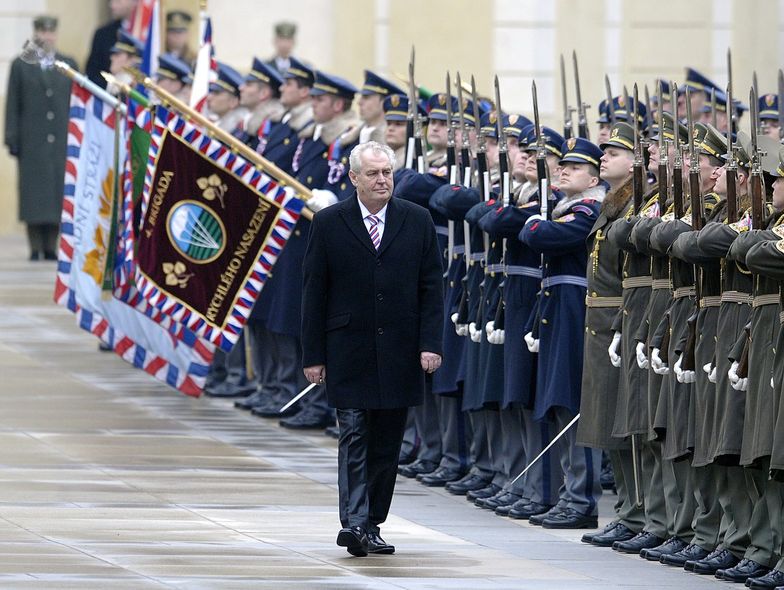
[730, 108]
[756, 182]
[663, 158]
[451, 153]
[503, 156]
[731, 173]
[695, 186]
[756, 92]
[638, 181]
[677, 165]
[714, 121]
[582, 120]
[542, 171]
[411, 117]
[465, 143]
[610, 102]
[567, 110]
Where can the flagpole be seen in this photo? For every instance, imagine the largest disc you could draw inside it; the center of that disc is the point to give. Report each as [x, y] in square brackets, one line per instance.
[283, 179]
[89, 85]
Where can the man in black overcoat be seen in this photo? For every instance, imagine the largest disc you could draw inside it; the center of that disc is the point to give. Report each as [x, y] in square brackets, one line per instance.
[372, 313]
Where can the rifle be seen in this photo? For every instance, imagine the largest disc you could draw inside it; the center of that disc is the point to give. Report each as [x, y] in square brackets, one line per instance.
[610, 103]
[714, 120]
[451, 162]
[503, 169]
[677, 166]
[542, 172]
[730, 106]
[638, 171]
[465, 146]
[567, 110]
[415, 153]
[695, 190]
[663, 158]
[757, 123]
[582, 120]
[756, 181]
[732, 167]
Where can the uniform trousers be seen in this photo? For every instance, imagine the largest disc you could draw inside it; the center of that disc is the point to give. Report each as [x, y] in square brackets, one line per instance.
[627, 512]
[765, 526]
[42, 237]
[709, 523]
[581, 467]
[479, 450]
[654, 503]
[737, 507]
[427, 426]
[368, 450]
[455, 433]
[678, 482]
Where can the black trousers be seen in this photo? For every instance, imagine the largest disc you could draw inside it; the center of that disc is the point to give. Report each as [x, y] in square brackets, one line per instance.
[368, 451]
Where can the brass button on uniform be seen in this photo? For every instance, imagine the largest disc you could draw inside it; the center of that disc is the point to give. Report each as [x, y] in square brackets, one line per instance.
[544, 322]
[380, 331]
[50, 115]
[50, 138]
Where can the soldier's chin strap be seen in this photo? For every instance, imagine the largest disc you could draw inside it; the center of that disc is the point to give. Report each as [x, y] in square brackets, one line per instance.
[547, 448]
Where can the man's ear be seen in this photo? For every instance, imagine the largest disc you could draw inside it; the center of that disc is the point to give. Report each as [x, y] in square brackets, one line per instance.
[352, 176]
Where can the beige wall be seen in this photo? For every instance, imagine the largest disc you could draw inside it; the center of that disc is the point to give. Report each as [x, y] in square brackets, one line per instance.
[520, 40]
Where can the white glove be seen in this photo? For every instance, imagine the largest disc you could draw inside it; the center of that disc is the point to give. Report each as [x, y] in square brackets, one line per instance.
[476, 335]
[712, 376]
[533, 218]
[681, 375]
[738, 383]
[771, 383]
[531, 342]
[496, 337]
[460, 329]
[321, 199]
[657, 364]
[615, 358]
[489, 327]
[642, 357]
[710, 371]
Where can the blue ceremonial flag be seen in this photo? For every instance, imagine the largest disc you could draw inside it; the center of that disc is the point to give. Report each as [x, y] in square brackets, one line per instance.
[152, 46]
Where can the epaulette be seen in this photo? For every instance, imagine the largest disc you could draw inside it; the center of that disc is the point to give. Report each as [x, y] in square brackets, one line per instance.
[742, 225]
[780, 245]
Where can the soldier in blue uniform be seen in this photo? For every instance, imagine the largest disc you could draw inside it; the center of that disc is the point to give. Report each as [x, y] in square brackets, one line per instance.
[320, 162]
[371, 106]
[561, 241]
[768, 112]
[260, 95]
[174, 76]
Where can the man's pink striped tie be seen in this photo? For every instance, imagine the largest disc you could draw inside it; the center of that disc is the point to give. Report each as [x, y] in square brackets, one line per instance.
[373, 231]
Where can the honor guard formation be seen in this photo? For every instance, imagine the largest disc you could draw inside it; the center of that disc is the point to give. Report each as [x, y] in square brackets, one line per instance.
[613, 307]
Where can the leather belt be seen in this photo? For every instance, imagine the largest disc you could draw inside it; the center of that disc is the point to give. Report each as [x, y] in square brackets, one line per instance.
[525, 271]
[761, 300]
[634, 282]
[591, 301]
[682, 292]
[494, 268]
[736, 297]
[710, 301]
[457, 250]
[564, 280]
[661, 284]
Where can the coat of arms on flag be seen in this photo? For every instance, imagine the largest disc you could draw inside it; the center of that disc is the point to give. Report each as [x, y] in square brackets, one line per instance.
[212, 227]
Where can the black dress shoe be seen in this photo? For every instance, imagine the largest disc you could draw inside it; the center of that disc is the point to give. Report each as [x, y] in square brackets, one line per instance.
[505, 509]
[671, 545]
[485, 492]
[502, 498]
[588, 537]
[253, 400]
[571, 519]
[49, 255]
[270, 406]
[417, 467]
[607, 478]
[773, 579]
[538, 519]
[747, 568]
[718, 560]
[642, 540]
[406, 459]
[305, 420]
[230, 389]
[467, 483]
[618, 534]
[355, 540]
[522, 511]
[35, 256]
[440, 477]
[688, 553]
[378, 546]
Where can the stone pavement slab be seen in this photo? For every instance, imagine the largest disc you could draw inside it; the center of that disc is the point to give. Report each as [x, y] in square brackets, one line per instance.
[109, 479]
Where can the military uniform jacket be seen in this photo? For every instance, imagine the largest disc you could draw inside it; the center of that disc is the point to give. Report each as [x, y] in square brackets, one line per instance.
[258, 123]
[601, 382]
[36, 132]
[767, 259]
[522, 282]
[713, 242]
[281, 140]
[631, 415]
[758, 427]
[99, 59]
[562, 301]
[367, 314]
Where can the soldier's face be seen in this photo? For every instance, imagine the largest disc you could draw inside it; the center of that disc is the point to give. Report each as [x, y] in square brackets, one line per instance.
[374, 181]
[491, 146]
[778, 194]
[170, 86]
[117, 61]
[251, 94]
[371, 107]
[221, 102]
[121, 8]
[395, 134]
[653, 162]
[46, 39]
[576, 178]
[326, 107]
[771, 128]
[176, 41]
[709, 173]
[283, 46]
[720, 187]
[616, 165]
[519, 164]
[436, 133]
[552, 165]
[604, 133]
[292, 94]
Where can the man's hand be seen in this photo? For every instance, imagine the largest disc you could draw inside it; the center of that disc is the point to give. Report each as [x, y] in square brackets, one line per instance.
[615, 358]
[430, 361]
[316, 373]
